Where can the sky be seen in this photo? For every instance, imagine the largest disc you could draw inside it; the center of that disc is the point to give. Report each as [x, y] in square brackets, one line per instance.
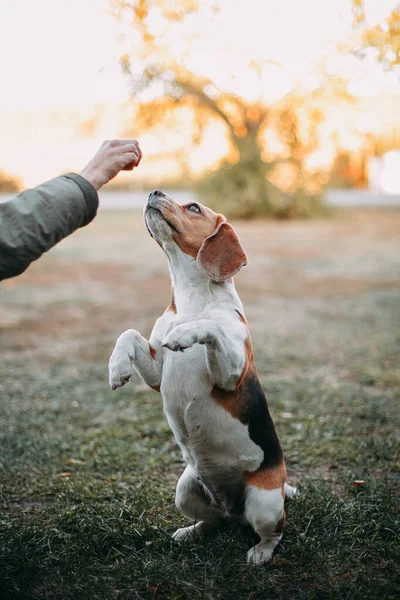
[59, 60]
[58, 53]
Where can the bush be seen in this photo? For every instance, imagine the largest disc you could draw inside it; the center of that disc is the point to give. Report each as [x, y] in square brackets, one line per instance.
[242, 191]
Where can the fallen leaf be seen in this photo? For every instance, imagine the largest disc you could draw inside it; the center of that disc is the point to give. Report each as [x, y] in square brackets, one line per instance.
[66, 474]
[75, 461]
[358, 482]
[286, 415]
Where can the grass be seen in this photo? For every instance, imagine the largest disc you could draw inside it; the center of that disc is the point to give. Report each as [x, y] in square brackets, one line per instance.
[87, 475]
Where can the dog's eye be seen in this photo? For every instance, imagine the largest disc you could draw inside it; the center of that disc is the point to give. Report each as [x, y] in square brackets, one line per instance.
[194, 208]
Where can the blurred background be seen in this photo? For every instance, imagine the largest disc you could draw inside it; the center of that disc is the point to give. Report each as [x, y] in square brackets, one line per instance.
[266, 109]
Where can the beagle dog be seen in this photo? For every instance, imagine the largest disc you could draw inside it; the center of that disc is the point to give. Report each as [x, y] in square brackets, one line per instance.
[200, 357]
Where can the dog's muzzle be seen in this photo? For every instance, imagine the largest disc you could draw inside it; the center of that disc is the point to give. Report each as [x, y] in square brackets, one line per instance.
[162, 203]
[157, 200]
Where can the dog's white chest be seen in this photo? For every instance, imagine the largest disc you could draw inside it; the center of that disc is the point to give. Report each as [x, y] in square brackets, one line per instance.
[184, 381]
[185, 372]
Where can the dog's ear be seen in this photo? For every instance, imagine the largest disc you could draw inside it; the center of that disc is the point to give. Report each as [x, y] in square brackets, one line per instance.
[221, 256]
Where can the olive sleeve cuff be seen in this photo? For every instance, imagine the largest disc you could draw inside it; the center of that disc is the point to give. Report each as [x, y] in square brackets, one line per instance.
[90, 194]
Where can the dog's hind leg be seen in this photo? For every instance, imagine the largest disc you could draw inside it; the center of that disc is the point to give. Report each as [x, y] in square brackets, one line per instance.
[194, 501]
[264, 511]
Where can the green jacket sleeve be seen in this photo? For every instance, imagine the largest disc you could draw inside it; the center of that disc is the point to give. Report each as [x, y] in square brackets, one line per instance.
[35, 220]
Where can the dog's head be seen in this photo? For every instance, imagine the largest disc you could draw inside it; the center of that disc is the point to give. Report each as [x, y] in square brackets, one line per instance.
[198, 232]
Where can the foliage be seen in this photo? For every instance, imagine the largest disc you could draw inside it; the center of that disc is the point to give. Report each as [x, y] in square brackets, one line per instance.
[8, 183]
[166, 90]
[348, 171]
[242, 190]
[385, 39]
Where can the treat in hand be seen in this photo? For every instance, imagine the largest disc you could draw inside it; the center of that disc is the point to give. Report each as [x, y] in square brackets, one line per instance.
[112, 157]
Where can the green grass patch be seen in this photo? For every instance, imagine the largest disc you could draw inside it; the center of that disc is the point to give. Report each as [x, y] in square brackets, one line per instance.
[103, 531]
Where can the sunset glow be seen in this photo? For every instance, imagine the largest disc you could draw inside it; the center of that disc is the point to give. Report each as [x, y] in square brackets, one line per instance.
[60, 69]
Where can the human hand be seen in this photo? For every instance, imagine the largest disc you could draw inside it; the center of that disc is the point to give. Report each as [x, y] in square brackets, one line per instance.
[112, 157]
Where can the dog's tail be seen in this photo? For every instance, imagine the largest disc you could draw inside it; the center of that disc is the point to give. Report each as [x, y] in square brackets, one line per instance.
[290, 492]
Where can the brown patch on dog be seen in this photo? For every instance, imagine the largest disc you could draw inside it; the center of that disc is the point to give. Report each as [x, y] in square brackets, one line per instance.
[235, 401]
[267, 479]
[191, 229]
[230, 401]
[280, 524]
[249, 361]
[242, 317]
[153, 353]
[205, 236]
[172, 306]
[191, 238]
[249, 367]
[221, 255]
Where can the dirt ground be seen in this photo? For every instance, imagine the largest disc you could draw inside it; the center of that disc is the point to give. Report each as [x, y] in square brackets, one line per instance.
[304, 280]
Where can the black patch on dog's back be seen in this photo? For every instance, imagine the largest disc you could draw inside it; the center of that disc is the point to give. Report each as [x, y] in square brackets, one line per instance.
[255, 414]
[249, 404]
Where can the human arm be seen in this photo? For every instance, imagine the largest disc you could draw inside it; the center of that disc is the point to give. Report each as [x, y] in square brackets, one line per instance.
[35, 220]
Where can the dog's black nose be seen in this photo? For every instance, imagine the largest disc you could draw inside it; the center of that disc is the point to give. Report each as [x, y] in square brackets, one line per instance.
[158, 193]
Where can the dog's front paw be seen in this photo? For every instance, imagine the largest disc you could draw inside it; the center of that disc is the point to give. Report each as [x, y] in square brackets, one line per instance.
[184, 534]
[119, 369]
[182, 337]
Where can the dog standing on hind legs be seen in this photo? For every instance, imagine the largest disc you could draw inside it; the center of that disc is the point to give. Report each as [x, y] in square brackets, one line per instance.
[200, 358]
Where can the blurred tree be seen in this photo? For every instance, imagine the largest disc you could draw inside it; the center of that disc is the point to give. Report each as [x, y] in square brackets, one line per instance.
[166, 86]
[8, 183]
[348, 170]
[383, 38]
